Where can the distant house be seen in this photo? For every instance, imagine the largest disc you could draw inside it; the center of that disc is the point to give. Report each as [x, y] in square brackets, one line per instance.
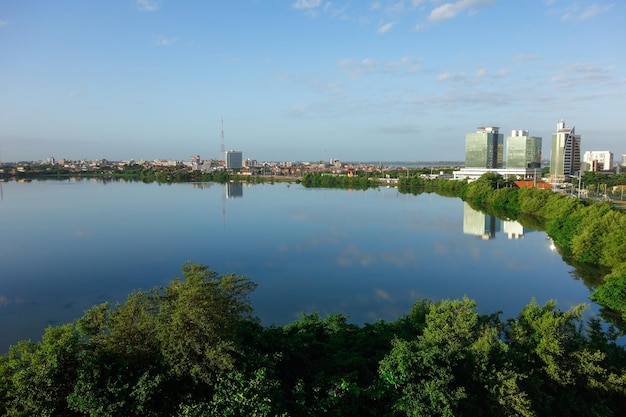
[531, 184]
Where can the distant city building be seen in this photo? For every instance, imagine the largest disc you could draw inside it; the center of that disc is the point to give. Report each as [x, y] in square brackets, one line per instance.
[565, 156]
[334, 162]
[233, 160]
[598, 160]
[250, 163]
[484, 149]
[194, 162]
[624, 160]
[522, 150]
[471, 174]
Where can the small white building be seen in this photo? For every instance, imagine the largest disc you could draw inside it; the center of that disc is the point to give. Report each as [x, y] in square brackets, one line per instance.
[598, 160]
[471, 174]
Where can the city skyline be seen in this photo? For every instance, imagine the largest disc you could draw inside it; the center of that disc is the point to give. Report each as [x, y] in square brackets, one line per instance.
[304, 79]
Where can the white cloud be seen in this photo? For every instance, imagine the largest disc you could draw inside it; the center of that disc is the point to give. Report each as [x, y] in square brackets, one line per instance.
[593, 10]
[149, 5]
[405, 65]
[579, 74]
[165, 41]
[481, 73]
[385, 28]
[450, 76]
[574, 12]
[4, 23]
[502, 73]
[298, 110]
[368, 64]
[451, 10]
[307, 4]
[525, 58]
[77, 93]
[353, 69]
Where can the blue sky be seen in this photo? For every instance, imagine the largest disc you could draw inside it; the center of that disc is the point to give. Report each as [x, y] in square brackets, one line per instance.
[305, 80]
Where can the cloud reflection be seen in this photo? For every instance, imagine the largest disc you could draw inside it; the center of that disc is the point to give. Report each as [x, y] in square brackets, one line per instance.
[380, 294]
[352, 255]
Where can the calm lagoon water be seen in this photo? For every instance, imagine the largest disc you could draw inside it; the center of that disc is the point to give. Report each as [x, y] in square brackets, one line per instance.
[67, 245]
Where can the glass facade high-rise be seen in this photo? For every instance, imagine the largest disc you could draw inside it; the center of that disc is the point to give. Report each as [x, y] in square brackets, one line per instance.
[484, 149]
[522, 150]
[234, 160]
[565, 156]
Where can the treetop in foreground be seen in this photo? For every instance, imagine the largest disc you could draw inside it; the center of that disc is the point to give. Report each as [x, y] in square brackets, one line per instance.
[194, 348]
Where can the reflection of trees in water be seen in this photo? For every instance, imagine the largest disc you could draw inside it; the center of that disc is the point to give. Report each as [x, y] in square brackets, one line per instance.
[530, 222]
[615, 318]
[590, 275]
[422, 190]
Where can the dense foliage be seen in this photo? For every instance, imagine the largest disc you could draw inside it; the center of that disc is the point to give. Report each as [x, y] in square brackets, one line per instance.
[193, 348]
[327, 180]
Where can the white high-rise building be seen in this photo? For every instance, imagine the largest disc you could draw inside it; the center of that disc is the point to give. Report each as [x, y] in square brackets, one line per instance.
[565, 156]
[598, 160]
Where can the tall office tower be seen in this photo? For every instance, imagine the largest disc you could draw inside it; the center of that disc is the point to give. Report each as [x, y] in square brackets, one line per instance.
[598, 160]
[233, 160]
[565, 156]
[484, 149]
[522, 150]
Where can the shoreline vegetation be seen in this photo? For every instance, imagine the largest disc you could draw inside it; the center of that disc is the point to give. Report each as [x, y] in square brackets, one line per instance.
[587, 233]
[194, 348]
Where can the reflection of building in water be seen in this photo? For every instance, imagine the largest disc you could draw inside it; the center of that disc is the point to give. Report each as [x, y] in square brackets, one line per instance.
[513, 229]
[201, 185]
[479, 224]
[230, 190]
[234, 189]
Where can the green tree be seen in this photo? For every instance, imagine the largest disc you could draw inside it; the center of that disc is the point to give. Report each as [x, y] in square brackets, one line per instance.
[200, 322]
[120, 373]
[449, 370]
[560, 370]
[38, 377]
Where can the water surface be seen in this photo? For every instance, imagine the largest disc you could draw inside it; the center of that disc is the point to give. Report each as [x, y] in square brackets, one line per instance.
[67, 245]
